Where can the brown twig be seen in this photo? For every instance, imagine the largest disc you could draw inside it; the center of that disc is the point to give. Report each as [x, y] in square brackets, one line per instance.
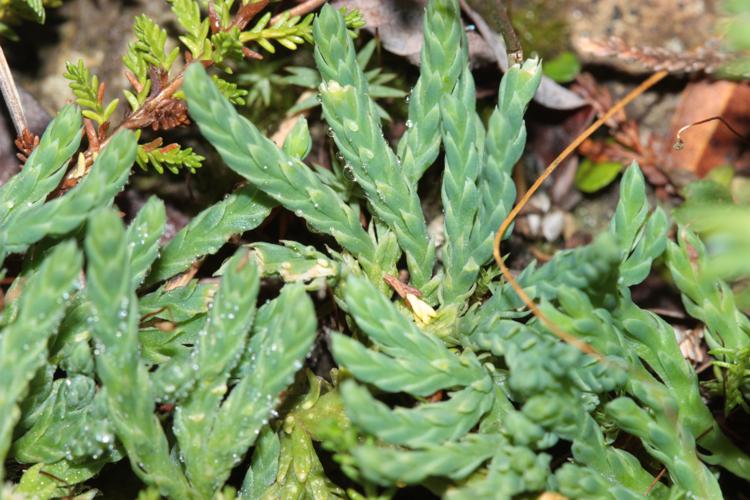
[184, 278]
[54, 477]
[145, 115]
[10, 94]
[656, 480]
[496, 15]
[401, 288]
[213, 18]
[91, 135]
[559, 332]
[70, 487]
[251, 54]
[247, 12]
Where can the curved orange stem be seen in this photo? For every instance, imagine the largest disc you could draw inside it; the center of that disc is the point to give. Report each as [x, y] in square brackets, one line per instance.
[559, 332]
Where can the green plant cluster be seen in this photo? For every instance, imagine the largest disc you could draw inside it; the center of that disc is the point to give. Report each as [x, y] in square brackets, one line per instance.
[452, 385]
[14, 11]
[508, 390]
[219, 366]
[712, 273]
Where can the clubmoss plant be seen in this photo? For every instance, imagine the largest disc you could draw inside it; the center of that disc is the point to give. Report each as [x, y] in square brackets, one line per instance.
[489, 385]
[97, 329]
[443, 381]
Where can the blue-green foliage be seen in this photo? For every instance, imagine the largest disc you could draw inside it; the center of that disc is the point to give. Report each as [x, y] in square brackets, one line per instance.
[489, 385]
[85, 354]
[455, 386]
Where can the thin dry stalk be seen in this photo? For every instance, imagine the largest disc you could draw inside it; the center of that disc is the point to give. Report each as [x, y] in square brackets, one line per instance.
[10, 94]
[560, 333]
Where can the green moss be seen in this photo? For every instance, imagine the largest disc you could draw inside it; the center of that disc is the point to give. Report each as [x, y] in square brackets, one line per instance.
[542, 26]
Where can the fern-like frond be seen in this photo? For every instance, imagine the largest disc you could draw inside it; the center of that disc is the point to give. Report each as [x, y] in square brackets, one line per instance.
[355, 123]
[188, 14]
[426, 425]
[455, 460]
[275, 355]
[86, 89]
[461, 131]
[640, 235]
[216, 355]
[288, 31]
[409, 360]
[151, 44]
[506, 138]
[173, 157]
[676, 450]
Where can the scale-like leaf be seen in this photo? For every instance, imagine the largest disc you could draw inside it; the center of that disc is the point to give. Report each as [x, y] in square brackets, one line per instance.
[23, 343]
[283, 178]
[241, 211]
[426, 425]
[276, 353]
[110, 291]
[45, 166]
[57, 217]
[219, 347]
[454, 460]
[410, 360]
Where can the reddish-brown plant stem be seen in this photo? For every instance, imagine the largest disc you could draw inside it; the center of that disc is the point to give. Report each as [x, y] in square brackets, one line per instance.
[247, 12]
[163, 99]
[300, 10]
[680, 143]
